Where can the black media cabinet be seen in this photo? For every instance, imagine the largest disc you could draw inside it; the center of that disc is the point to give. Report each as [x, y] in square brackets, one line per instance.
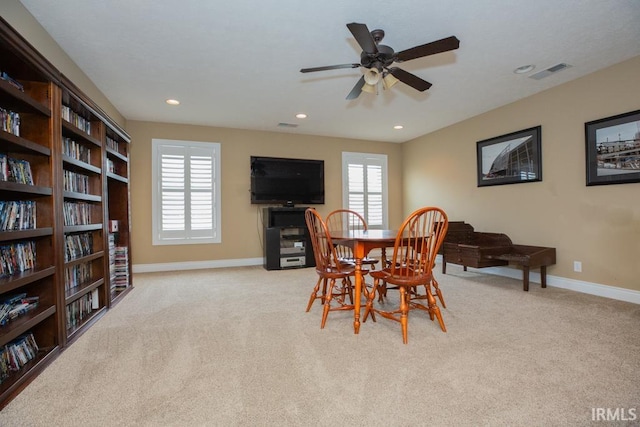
[286, 239]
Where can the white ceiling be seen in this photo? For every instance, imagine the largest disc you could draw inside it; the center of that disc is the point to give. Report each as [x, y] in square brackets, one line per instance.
[236, 63]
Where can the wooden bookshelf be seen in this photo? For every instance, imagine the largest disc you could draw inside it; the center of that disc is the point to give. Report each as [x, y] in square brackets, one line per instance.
[74, 195]
[118, 213]
[33, 96]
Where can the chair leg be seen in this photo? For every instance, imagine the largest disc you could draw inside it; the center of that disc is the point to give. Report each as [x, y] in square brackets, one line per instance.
[327, 303]
[314, 293]
[435, 310]
[383, 292]
[371, 295]
[404, 313]
[438, 292]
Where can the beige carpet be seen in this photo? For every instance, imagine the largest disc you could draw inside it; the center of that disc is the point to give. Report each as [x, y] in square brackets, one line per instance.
[234, 347]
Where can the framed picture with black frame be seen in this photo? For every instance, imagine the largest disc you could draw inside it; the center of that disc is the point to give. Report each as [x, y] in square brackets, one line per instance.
[513, 158]
[613, 149]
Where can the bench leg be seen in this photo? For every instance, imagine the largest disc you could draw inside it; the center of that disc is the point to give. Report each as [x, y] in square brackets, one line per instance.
[525, 278]
[543, 276]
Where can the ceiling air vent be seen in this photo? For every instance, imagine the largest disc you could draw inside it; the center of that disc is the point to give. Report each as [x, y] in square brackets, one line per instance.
[551, 70]
[287, 125]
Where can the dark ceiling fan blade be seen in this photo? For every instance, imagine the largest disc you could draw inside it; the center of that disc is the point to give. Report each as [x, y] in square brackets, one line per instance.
[355, 92]
[410, 79]
[363, 37]
[438, 46]
[329, 67]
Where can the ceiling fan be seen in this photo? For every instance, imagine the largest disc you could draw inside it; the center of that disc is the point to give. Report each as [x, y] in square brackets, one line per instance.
[378, 58]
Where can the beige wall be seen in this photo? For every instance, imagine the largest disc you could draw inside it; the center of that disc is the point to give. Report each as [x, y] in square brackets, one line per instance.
[24, 23]
[241, 221]
[598, 225]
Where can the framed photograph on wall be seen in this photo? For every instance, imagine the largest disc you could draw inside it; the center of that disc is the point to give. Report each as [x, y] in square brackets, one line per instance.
[510, 159]
[613, 149]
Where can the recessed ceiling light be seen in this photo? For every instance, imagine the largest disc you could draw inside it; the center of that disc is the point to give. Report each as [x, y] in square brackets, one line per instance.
[301, 115]
[398, 127]
[524, 69]
[172, 102]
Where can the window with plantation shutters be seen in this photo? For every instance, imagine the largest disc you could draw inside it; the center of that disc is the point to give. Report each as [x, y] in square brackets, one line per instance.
[364, 182]
[186, 196]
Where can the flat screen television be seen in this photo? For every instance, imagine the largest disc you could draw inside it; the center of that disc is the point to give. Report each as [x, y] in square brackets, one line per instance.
[287, 182]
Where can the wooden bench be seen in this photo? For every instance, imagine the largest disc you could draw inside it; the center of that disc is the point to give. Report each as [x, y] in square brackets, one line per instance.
[469, 248]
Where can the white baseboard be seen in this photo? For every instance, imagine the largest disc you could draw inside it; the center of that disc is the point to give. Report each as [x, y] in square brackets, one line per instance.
[196, 265]
[606, 291]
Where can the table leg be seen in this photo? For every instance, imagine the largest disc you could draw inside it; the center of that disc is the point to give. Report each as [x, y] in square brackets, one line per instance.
[543, 276]
[525, 277]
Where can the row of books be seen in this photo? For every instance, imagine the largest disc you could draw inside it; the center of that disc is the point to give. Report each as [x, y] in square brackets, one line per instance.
[16, 354]
[77, 275]
[77, 182]
[76, 213]
[77, 246]
[76, 150]
[15, 306]
[17, 215]
[113, 144]
[17, 257]
[76, 119]
[15, 170]
[81, 309]
[118, 265]
[13, 82]
[10, 121]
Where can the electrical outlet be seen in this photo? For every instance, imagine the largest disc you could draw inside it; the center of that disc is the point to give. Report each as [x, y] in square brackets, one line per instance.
[577, 266]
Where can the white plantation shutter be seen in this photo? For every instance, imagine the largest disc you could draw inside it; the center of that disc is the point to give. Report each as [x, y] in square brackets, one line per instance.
[364, 180]
[186, 203]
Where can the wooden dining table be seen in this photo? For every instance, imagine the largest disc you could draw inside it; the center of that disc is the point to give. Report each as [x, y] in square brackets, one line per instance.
[361, 243]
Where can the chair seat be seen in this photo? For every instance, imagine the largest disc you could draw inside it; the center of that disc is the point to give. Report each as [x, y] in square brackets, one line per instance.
[394, 279]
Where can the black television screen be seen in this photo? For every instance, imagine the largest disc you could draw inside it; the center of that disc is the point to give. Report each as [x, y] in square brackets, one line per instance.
[287, 182]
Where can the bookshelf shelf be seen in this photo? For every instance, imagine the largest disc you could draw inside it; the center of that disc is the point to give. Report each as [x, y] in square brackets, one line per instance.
[82, 290]
[79, 228]
[82, 196]
[17, 379]
[17, 100]
[71, 163]
[9, 283]
[82, 325]
[25, 234]
[64, 160]
[18, 144]
[73, 131]
[117, 178]
[113, 153]
[24, 323]
[25, 188]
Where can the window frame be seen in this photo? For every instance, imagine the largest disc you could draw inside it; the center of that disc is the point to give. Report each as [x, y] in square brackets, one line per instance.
[365, 159]
[185, 237]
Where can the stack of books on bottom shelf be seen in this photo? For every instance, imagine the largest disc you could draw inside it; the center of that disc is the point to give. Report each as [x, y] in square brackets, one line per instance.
[81, 309]
[16, 354]
[118, 265]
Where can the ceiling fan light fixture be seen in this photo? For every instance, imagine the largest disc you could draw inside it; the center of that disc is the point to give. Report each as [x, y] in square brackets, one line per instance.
[388, 80]
[372, 76]
[370, 88]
